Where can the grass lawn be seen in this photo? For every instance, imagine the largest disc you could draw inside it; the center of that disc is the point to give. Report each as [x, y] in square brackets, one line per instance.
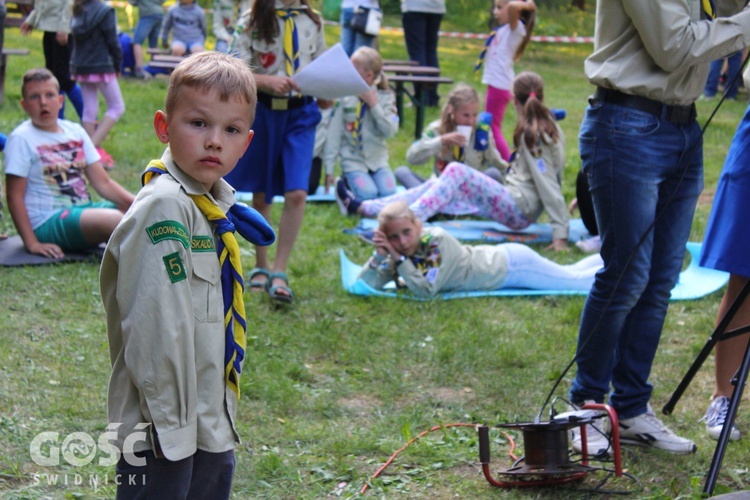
[334, 385]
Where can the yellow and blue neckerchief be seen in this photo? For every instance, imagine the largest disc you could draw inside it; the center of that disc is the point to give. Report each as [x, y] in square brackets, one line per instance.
[291, 39]
[358, 120]
[253, 227]
[708, 9]
[480, 59]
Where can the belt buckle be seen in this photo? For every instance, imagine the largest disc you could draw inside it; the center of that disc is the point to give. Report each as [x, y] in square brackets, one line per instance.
[279, 104]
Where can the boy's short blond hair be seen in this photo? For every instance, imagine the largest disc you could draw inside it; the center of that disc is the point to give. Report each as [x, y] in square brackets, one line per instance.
[211, 70]
[393, 211]
[37, 75]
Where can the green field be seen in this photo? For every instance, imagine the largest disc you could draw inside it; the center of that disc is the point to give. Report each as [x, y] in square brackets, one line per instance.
[333, 386]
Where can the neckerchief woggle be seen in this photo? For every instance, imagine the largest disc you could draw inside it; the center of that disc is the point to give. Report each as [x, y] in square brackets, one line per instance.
[254, 228]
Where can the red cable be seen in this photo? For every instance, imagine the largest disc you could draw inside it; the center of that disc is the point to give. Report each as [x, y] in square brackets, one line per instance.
[421, 435]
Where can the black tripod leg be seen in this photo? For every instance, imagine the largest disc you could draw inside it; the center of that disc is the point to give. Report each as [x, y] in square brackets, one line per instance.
[715, 337]
[734, 403]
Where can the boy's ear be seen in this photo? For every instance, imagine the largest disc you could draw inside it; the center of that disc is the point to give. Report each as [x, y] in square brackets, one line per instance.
[160, 126]
[250, 136]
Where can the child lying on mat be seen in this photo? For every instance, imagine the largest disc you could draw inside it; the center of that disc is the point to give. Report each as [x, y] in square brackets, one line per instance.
[430, 260]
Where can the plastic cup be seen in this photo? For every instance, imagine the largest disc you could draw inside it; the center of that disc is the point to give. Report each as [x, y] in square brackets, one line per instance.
[464, 130]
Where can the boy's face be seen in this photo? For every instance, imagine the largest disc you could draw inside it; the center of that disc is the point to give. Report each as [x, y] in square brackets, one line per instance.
[42, 102]
[207, 136]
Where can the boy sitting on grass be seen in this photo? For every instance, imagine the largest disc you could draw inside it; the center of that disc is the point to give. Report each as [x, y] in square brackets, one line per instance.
[171, 283]
[48, 161]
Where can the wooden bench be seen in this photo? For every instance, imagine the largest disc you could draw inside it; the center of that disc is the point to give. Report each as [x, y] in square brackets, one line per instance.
[4, 65]
[422, 77]
[399, 62]
[17, 12]
[164, 60]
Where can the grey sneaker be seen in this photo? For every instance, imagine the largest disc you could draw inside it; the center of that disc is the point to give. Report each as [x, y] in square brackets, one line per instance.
[597, 435]
[648, 430]
[716, 416]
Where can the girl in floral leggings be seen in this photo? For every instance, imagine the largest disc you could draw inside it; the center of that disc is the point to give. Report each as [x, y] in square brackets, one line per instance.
[532, 185]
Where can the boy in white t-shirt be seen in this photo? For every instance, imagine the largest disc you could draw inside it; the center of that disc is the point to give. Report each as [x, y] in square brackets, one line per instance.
[48, 163]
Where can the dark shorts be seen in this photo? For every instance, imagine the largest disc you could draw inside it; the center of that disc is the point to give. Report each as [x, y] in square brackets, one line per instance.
[64, 227]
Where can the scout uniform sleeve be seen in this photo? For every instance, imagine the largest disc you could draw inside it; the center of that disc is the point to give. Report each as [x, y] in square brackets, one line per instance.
[158, 323]
[426, 148]
[546, 174]
[333, 143]
[384, 114]
[491, 156]
[378, 271]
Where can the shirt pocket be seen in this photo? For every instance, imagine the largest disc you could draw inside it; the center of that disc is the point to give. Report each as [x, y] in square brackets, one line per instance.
[206, 289]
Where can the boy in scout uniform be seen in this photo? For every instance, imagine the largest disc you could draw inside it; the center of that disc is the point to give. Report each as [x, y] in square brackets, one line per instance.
[175, 316]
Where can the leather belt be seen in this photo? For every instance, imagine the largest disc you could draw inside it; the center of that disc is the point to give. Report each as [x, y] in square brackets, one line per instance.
[277, 103]
[679, 115]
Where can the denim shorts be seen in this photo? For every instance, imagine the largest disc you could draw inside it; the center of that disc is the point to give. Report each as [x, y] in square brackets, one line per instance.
[148, 27]
[64, 227]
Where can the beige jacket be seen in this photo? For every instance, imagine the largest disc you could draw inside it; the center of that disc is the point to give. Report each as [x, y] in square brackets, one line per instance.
[51, 15]
[160, 284]
[536, 183]
[430, 146]
[441, 264]
[662, 49]
[268, 59]
[379, 123]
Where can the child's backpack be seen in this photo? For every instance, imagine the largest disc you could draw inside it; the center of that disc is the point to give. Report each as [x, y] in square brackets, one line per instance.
[128, 58]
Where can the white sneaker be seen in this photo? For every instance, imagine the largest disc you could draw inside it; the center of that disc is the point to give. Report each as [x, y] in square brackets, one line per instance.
[716, 416]
[648, 430]
[590, 245]
[597, 435]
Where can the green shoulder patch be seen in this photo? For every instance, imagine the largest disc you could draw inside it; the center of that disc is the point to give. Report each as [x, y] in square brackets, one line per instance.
[202, 244]
[168, 230]
[175, 267]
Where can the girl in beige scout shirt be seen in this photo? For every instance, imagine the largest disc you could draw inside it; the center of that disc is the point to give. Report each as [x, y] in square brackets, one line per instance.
[279, 160]
[443, 142]
[430, 261]
[359, 128]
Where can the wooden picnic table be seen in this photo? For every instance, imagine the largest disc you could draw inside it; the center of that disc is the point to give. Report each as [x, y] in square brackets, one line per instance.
[422, 77]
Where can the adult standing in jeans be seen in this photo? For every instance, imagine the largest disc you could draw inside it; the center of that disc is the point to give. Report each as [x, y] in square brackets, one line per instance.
[352, 40]
[421, 21]
[641, 150]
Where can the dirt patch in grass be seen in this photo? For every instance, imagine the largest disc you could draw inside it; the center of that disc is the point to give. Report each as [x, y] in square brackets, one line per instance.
[359, 404]
[706, 198]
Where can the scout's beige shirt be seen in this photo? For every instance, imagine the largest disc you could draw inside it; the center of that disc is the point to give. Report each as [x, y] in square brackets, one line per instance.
[661, 49]
[160, 284]
[442, 264]
[268, 59]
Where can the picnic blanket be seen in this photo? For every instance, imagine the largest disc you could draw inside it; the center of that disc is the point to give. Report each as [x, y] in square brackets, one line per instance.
[694, 282]
[486, 231]
[13, 253]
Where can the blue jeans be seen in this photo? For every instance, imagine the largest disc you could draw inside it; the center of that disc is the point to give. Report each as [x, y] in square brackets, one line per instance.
[734, 62]
[635, 163]
[148, 29]
[421, 35]
[202, 475]
[369, 185]
[350, 39]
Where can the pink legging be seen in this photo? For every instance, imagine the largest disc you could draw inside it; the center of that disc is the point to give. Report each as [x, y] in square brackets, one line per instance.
[112, 96]
[496, 103]
[457, 183]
